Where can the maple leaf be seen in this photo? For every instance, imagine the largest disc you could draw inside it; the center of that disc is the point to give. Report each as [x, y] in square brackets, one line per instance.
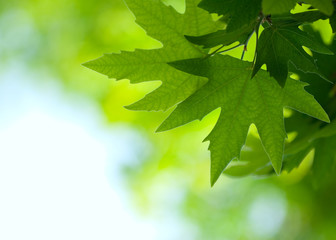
[169, 27]
[280, 45]
[243, 101]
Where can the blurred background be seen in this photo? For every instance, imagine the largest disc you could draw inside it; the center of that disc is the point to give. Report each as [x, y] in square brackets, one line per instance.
[74, 164]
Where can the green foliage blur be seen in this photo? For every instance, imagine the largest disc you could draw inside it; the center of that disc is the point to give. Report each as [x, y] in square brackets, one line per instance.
[53, 38]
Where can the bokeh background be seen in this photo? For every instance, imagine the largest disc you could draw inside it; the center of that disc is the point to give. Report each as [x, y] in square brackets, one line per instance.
[74, 164]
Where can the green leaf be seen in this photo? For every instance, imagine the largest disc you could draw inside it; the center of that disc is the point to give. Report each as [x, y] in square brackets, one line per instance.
[284, 6]
[280, 45]
[222, 37]
[332, 21]
[169, 27]
[252, 158]
[324, 165]
[277, 7]
[240, 12]
[297, 19]
[325, 6]
[243, 101]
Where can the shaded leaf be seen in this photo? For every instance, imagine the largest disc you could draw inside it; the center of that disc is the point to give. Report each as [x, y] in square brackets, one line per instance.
[277, 7]
[279, 45]
[222, 37]
[284, 6]
[239, 12]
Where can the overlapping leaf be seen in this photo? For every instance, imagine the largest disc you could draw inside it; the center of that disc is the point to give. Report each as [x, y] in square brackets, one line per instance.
[310, 133]
[239, 26]
[284, 6]
[168, 26]
[243, 101]
[323, 141]
[233, 10]
[223, 37]
[278, 45]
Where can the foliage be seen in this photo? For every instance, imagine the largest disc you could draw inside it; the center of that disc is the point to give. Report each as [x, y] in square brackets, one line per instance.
[199, 79]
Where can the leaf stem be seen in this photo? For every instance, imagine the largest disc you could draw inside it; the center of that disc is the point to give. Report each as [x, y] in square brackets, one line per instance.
[229, 49]
[245, 44]
[262, 17]
[218, 49]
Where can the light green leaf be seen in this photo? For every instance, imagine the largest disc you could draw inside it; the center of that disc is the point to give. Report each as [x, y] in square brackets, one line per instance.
[243, 101]
[253, 157]
[169, 27]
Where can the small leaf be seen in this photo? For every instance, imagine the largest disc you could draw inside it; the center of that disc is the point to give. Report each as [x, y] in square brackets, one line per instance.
[279, 45]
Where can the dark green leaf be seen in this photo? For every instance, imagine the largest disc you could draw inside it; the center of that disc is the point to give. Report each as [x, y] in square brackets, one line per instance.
[222, 37]
[240, 12]
[279, 45]
[277, 7]
[284, 6]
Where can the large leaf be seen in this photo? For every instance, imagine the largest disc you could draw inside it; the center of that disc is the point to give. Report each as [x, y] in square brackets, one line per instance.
[279, 45]
[243, 101]
[168, 26]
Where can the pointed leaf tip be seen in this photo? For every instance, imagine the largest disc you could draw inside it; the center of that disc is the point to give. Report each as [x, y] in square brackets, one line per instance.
[213, 179]
[277, 169]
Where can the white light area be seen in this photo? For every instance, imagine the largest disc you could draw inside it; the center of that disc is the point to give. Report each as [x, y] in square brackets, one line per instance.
[267, 213]
[53, 178]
